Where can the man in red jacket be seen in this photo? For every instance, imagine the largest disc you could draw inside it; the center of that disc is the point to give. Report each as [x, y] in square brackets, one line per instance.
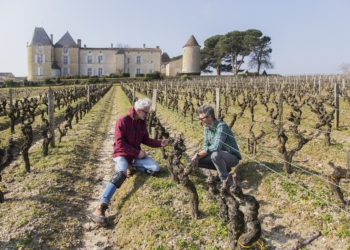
[130, 133]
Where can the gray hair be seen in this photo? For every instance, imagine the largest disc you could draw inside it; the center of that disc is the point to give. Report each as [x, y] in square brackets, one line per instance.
[206, 109]
[142, 103]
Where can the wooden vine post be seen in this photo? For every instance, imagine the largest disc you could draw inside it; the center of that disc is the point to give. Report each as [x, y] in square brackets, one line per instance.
[280, 104]
[10, 95]
[51, 109]
[217, 102]
[88, 93]
[336, 103]
[133, 95]
[154, 108]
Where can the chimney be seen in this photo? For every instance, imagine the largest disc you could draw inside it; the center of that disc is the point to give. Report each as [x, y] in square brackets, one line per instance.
[157, 47]
[112, 45]
[79, 43]
[144, 46]
[84, 46]
[51, 38]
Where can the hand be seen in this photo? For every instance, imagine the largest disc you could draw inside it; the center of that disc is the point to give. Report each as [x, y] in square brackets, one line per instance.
[194, 161]
[142, 154]
[164, 143]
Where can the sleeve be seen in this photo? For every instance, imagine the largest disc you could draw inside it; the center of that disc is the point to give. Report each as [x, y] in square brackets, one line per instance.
[206, 143]
[219, 138]
[120, 142]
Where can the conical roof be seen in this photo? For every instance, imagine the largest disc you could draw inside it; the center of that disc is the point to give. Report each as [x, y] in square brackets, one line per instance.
[191, 42]
[165, 58]
[40, 36]
[66, 41]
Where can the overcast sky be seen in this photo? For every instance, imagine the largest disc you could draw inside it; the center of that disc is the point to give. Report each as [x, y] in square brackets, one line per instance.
[308, 36]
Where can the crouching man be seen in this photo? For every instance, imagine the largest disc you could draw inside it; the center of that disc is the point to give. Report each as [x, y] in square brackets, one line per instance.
[130, 133]
[220, 151]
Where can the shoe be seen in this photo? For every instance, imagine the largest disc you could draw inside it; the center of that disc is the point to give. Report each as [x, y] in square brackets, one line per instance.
[99, 213]
[130, 172]
[152, 173]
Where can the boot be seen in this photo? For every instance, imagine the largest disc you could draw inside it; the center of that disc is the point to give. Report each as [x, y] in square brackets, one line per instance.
[130, 172]
[99, 213]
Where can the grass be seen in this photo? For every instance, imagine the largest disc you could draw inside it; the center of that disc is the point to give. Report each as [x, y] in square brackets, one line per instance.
[46, 208]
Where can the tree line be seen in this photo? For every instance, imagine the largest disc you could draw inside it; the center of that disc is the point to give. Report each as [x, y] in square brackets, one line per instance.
[226, 53]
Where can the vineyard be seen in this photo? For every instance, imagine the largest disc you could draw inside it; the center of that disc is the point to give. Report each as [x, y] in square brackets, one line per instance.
[293, 134]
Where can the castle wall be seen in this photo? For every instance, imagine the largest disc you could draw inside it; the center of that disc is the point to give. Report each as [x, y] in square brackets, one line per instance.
[174, 67]
[142, 61]
[191, 59]
[72, 63]
[103, 61]
[39, 62]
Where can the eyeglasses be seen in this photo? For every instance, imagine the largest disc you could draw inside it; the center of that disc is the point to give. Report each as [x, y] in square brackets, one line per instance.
[146, 113]
[201, 119]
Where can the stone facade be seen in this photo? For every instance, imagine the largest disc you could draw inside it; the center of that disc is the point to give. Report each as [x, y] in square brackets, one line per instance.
[67, 57]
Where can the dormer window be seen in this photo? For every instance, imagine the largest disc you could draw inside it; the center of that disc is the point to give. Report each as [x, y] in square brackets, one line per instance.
[39, 47]
[65, 50]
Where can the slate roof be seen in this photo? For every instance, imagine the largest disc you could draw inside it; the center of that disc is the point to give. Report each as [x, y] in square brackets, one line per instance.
[40, 36]
[191, 42]
[66, 41]
[7, 74]
[54, 65]
[165, 58]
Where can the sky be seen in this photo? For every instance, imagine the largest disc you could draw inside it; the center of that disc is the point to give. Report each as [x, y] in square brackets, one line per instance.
[308, 36]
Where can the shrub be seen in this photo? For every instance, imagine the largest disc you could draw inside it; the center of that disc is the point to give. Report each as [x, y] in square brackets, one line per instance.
[140, 75]
[58, 80]
[184, 77]
[47, 81]
[8, 82]
[126, 75]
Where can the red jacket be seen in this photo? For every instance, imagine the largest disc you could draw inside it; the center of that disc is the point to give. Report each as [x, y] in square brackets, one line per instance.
[129, 134]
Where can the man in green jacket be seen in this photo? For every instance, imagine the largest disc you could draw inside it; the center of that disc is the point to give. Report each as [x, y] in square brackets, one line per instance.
[220, 151]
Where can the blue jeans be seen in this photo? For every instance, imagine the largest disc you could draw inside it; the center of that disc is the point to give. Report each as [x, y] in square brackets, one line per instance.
[146, 165]
[221, 161]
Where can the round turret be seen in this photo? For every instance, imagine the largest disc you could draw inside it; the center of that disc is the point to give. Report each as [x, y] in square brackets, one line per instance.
[191, 56]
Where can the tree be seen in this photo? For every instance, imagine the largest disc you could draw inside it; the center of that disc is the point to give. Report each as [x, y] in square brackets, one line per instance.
[236, 45]
[345, 67]
[8, 82]
[122, 45]
[211, 56]
[260, 54]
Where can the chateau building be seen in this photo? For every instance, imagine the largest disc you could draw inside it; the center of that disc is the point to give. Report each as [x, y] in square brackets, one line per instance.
[67, 57]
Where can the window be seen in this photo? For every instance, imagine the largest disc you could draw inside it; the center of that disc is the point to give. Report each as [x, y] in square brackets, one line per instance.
[100, 72]
[127, 70]
[150, 71]
[89, 71]
[65, 60]
[65, 50]
[138, 71]
[39, 47]
[127, 60]
[40, 59]
[100, 59]
[151, 61]
[65, 71]
[40, 71]
[89, 59]
[138, 59]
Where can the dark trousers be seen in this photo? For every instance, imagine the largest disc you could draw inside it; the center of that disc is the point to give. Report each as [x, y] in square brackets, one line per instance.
[221, 161]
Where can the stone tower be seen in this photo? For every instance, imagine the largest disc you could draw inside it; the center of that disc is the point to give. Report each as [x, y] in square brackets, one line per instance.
[191, 56]
[40, 54]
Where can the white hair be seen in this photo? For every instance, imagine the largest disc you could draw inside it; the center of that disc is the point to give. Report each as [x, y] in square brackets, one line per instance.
[142, 103]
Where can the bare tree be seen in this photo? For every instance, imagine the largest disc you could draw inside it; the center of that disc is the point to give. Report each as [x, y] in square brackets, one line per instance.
[122, 45]
[260, 55]
[345, 67]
